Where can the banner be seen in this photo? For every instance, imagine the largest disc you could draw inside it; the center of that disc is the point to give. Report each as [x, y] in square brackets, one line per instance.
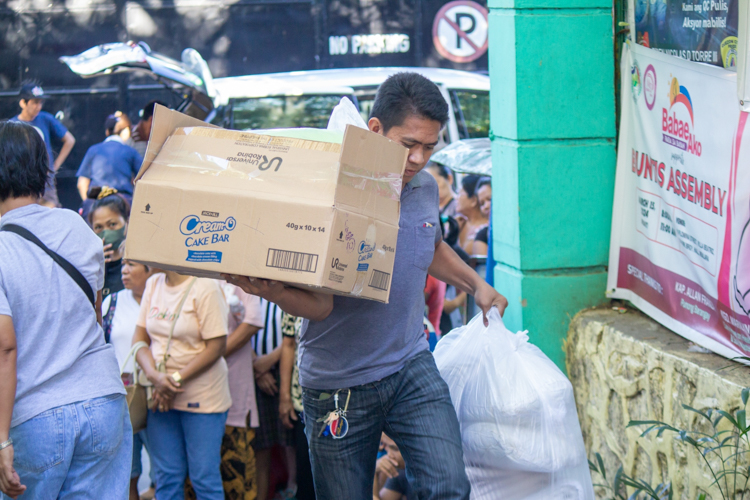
[697, 30]
[680, 248]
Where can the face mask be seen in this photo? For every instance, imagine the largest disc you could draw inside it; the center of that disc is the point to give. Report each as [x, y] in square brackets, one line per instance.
[115, 237]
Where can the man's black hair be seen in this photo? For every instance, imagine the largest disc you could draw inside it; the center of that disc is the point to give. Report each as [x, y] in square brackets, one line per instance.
[110, 123]
[484, 181]
[148, 109]
[24, 161]
[406, 94]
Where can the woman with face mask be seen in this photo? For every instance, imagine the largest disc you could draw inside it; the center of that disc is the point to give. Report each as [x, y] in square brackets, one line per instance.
[109, 220]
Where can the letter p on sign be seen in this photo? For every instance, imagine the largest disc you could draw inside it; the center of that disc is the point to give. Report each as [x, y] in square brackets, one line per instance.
[459, 32]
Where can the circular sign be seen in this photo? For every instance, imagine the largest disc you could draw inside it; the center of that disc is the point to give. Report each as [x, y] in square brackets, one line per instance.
[460, 31]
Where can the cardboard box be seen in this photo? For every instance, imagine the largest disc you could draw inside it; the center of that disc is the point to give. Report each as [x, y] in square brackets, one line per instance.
[312, 214]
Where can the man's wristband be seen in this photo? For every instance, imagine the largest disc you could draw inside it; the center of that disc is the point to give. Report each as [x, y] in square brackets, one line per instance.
[177, 377]
[6, 444]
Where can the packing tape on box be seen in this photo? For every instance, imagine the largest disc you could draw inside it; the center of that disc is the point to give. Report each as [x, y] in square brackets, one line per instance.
[385, 184]
[205, 164]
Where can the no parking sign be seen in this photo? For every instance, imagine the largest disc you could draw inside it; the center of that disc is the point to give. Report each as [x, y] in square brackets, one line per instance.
[460, 31]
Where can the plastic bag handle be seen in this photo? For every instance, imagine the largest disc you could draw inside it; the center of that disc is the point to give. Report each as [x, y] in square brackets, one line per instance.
[516, 339]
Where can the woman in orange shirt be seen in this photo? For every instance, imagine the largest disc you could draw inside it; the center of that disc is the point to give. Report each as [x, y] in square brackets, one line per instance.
[184, 322]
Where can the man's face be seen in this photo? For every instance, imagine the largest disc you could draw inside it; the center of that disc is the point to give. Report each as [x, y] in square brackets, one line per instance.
[418, 135]
[30, 108]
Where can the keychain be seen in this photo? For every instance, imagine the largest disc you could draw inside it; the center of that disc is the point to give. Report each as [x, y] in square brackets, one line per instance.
[335, 423]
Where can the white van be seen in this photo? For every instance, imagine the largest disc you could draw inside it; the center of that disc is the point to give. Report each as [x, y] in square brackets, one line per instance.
[306, 98]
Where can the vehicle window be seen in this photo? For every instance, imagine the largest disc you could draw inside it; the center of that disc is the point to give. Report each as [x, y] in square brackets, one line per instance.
[472, 113]
[219, 116]
[283, 111]
[365, 99]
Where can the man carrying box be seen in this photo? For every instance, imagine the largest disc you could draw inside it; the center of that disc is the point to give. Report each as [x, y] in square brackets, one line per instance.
[365, 366]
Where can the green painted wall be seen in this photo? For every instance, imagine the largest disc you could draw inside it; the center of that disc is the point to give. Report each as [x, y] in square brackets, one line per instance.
[553, 144]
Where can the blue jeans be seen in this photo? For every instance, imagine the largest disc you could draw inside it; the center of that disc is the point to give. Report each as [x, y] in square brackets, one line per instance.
[140, 440]
[183, 444]
[81, 450]
[412, 406]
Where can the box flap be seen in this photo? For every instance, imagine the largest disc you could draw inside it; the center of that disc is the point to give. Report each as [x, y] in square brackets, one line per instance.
[164, 123]
[370, 176]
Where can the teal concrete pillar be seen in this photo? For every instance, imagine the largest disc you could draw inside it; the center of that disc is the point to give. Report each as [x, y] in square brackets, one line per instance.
[553, 151]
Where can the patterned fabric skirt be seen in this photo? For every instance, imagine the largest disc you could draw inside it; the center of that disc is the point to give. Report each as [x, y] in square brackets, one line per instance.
[237, 465]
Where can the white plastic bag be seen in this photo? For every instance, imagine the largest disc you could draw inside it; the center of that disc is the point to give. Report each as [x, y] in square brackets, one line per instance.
[519, 425]
[345, 113]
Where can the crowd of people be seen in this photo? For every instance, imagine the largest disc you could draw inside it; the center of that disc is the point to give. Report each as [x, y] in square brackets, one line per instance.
[245, 377]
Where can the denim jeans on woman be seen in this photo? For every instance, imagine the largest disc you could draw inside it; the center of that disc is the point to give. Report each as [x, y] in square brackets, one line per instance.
[183, 444]
[77, 451]
[413, 406]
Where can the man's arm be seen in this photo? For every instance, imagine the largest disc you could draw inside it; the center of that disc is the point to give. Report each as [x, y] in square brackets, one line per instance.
[311, 305]
[7, 374]
[83, 187]
[98, 307]
[447, 266]
[68, 141]
[10, 483]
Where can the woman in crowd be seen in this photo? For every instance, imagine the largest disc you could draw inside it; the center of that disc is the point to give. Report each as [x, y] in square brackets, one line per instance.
[238, 457]
[472, 219]
[446, 196]
[109, 219]
[484, 197]
[64, 425]
[183, 320]
[121, 311]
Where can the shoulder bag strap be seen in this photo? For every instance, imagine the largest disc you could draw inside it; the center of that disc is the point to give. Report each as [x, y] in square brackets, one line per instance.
[109, 317]
[174, 322]
[67, 266]
[131, 354]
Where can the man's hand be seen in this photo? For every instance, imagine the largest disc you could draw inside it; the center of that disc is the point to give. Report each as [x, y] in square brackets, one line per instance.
[267, 289]
[388, 466]
[287, 413]
[448, 267]
[267, 384]
[486, 298]
[10, 483]
[315, 306]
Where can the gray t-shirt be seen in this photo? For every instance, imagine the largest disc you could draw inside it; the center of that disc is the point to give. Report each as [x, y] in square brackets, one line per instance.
[62, 356]
[362, 341]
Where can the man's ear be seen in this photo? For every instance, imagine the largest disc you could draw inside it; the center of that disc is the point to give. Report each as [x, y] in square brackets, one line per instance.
[22, 103]
[375, 126]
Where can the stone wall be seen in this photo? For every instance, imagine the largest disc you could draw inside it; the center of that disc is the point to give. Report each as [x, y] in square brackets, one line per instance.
[625, 366]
